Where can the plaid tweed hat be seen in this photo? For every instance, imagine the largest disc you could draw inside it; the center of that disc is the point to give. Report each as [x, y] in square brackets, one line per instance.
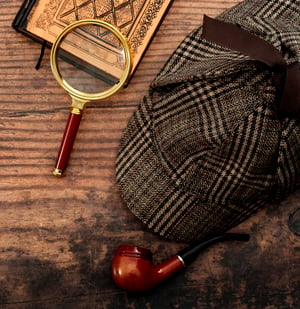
[217, 137]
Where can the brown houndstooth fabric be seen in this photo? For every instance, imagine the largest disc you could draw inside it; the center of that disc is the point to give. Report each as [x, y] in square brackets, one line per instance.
[206, 148]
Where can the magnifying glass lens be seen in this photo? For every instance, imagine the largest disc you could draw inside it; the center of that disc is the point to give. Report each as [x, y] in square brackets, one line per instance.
[90, 59]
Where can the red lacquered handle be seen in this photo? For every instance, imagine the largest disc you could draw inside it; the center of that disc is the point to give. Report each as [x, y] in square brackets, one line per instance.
[67, 141]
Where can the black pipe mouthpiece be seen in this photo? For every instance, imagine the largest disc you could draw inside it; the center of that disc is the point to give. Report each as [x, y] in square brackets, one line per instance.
[190, 253]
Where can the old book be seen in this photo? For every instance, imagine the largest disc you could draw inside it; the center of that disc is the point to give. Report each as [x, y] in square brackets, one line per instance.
[138, 20]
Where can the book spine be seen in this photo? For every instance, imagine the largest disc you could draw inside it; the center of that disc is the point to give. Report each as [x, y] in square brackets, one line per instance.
[20, 20]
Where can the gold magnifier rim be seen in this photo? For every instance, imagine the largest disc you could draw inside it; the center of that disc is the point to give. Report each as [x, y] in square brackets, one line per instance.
[75, 93]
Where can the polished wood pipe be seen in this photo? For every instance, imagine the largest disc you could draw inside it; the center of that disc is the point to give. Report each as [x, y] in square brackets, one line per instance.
[133, 269]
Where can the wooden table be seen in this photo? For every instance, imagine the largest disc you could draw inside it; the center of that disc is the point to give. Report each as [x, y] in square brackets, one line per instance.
[58, 236]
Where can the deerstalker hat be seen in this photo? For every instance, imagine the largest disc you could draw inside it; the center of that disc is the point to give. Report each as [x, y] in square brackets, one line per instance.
[217, 137]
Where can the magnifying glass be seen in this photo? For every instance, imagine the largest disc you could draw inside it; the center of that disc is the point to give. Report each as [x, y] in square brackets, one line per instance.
[91, 60]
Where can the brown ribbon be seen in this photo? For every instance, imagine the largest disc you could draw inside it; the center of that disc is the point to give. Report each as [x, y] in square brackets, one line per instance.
[286, 77]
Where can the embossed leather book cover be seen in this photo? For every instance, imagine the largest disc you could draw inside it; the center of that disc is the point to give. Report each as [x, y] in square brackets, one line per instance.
[138, 20]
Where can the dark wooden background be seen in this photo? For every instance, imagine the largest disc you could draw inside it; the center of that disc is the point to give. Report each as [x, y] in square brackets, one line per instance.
[58, 236]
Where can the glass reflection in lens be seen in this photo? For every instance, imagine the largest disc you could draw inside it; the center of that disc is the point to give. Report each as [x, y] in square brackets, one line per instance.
[91, 59]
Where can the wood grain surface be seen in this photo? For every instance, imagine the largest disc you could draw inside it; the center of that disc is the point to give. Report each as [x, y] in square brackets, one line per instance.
[58, 236]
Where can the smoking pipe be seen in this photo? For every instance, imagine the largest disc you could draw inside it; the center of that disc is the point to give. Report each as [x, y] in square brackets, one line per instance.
[134, 271]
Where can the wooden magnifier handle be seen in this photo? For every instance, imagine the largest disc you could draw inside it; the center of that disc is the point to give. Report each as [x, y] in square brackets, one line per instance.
[67, 141]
